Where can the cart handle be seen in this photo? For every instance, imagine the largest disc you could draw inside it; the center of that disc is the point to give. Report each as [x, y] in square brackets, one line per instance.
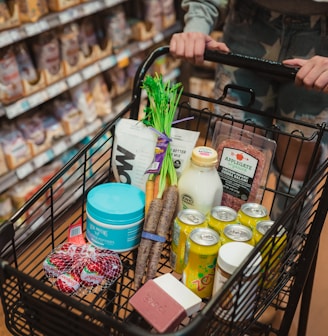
[252, 63]
[272, 68]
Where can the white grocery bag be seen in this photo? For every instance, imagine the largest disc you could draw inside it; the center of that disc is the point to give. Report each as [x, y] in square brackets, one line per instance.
[134, 149]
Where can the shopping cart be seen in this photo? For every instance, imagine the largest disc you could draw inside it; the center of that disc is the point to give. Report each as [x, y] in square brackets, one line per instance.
[33, 306]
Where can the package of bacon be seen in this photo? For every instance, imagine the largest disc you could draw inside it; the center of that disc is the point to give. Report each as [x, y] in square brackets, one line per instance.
[244, 161]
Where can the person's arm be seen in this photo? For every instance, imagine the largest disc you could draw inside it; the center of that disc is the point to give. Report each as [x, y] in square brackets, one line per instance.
[200, 18]
[313, 72]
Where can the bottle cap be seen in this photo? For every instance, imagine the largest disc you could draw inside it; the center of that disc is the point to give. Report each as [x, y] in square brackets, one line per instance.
[204, 156]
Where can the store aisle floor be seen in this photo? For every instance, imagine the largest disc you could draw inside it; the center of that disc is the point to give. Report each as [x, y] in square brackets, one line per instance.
[318, 321]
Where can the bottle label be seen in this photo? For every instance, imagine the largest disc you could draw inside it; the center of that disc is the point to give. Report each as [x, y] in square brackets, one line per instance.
[187, 201]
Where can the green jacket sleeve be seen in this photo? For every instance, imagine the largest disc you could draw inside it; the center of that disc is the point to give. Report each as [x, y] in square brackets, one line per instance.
[201, 16]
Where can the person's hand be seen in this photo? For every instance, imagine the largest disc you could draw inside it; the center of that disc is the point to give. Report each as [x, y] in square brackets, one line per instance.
[191, 46]
[313, 73]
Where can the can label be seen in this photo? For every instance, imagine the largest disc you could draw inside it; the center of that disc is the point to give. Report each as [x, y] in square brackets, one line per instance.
[221, 216]
[200, 259]
[251, 213]
[261, 229]
[271, 253]
[186, 221]
[237, 233]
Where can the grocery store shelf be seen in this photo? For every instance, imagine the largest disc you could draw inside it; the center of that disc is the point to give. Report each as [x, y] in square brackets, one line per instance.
[11, 178]
[54, 20]
[27, 103]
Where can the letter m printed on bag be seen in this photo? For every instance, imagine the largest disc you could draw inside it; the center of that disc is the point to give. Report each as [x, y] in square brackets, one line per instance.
[123, 166]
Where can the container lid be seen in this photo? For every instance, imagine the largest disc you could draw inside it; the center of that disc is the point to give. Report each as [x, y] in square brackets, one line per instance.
[204, 156]
[231, 255]
[116, 203]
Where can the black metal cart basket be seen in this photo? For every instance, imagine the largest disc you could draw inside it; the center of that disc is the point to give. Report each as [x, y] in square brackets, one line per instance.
[33, 306]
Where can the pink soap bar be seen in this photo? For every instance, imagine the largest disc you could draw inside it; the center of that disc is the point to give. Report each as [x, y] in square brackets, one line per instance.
[158, 308]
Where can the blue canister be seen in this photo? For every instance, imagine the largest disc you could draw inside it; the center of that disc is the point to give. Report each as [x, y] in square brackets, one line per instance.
[115, 214]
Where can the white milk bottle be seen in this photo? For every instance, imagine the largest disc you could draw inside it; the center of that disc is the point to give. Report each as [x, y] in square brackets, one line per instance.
[200, 186]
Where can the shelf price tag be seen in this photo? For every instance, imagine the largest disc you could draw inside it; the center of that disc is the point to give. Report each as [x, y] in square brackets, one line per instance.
[15, 35]
[56, 89]
[24, 170]
[5, 39]
[37, 98]
[43, 158]
[74, 79]
[11, 111]
[53, 20]
[59, 147]
[32, 29]
[107, 63]
[90, 71]
[43, 25]
[90, 8]
[111, 3]
[66, 16]
[78, 136]
[17, 108]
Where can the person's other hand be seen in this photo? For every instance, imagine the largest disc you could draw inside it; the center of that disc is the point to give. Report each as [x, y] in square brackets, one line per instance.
[191, 46]
[313, 73]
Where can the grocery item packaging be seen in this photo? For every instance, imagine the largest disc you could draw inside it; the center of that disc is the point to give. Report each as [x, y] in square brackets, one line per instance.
[67, 113]
[101, 96]
[89, 40]
[9, 14]
[59, 5]
[34, 133]
[70, 48]
[32, 79]
[134, 149]
[84, 101]
[32, 10]
[46, 49]
[244, 161]
[11, 87]
[14, 146]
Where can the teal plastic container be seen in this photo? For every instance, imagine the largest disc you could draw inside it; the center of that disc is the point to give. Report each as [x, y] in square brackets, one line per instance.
[115, 215]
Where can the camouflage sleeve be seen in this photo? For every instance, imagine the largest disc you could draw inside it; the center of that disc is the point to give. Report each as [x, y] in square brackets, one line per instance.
[201, 16]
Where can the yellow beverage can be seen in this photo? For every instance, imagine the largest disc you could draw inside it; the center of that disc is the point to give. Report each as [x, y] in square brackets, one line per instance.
[251, 213]
[271, 252]
[186, 221]
[200, 261]
[237, 233]
[221, 216]
[261, 228]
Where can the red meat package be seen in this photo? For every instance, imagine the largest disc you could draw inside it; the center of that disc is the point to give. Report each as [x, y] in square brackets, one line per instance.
[244, 161]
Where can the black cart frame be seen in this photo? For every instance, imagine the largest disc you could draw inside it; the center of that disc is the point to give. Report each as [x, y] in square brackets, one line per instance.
[33, 306]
